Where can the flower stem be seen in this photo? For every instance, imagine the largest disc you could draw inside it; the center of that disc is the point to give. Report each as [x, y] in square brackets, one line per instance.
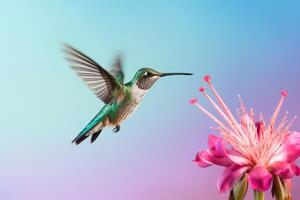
[259, 195]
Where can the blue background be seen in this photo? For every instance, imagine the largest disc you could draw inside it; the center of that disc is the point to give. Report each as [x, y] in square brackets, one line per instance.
[249, 48]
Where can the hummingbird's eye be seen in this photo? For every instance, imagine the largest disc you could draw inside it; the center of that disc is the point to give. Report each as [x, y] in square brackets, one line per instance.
[146, 74]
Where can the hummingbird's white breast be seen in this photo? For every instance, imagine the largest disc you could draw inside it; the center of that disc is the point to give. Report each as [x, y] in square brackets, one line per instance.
[137, 93]
[137, 96]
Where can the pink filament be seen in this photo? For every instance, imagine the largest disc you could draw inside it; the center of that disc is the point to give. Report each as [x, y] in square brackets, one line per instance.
[255, 142]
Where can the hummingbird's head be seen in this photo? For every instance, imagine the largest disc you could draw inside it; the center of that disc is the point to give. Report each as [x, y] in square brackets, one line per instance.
[146, 77]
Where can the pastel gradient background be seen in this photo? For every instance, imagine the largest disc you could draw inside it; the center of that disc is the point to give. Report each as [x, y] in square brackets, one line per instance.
[250, 49]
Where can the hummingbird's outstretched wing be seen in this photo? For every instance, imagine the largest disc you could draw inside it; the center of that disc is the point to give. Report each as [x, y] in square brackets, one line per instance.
[101, 82]
[117, 70]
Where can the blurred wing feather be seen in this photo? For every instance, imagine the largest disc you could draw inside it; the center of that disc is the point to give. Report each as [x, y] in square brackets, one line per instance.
[117, 70]
[101, 82]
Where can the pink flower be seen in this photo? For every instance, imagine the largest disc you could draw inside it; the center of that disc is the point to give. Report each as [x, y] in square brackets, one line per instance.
[249, 148]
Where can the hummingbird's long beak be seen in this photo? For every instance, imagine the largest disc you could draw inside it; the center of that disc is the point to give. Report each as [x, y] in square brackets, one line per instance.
[172, 74]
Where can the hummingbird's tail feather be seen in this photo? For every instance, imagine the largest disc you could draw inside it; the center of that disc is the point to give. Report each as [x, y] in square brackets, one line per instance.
[95, 135]
[93, 128]
[80, 138]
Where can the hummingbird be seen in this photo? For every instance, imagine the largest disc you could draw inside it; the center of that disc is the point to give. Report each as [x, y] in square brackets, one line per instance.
[121, 99]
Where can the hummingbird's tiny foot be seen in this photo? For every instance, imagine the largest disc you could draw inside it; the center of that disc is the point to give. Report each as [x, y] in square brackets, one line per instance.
[117, 129]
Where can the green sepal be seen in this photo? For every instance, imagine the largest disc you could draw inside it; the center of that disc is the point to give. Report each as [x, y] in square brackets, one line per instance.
[258, 195]
[240, 189]
[279, 189]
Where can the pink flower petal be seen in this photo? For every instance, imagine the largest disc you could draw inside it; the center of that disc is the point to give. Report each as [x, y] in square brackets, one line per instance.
[260, 179]
[230, 175]
[296, 170]
[205, 159]
[237, 158]
[201, 159]
[294, 138]
[283, 169]
[289, 151]
[216, 146]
